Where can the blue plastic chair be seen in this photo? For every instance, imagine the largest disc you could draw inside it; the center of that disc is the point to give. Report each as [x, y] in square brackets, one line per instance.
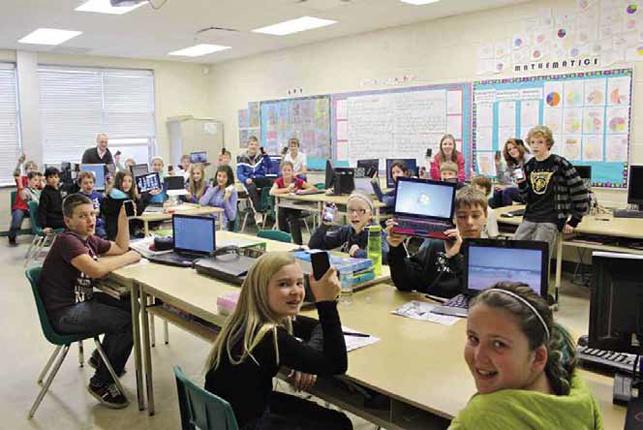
[201, 409]
[62, 341]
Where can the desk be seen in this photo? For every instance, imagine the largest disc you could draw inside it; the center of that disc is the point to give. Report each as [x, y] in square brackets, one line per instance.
[315, 203]
[601, 225]
[190, 209]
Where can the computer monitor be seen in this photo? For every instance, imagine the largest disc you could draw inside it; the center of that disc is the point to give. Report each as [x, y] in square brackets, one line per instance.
[148, 182]
[585, 172]
[616, 304]
[367, 168]
[489, 261]
[329, 179]
[275, 166]
[344, 180]
[193, 234]
[175, 186]
[140, 169]
[199, 157]
[410, 163]
[635, 187]
[99, 173]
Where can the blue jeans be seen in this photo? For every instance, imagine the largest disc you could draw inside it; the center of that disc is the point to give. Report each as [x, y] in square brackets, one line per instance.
[505, 197]
[16, 222]
[103, 314]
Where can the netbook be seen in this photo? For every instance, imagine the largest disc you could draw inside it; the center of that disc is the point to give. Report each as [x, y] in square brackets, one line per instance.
[423, 207]
[488, 261]
[175, 185]
[193, 237]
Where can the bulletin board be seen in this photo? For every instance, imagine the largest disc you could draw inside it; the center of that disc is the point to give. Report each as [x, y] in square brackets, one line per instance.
[400, 122]
[307, 118]
[588, 113]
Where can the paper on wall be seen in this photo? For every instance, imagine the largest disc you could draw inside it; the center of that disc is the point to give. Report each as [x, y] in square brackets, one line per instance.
[484, 114]
[529, 113]
[484, 137]
[341, 111]
[592, 148]
[618, 91]
[505, 133]
[617, 120]
[571, 147]
[572, 121]
[454, 125]
[593, 120]
[454, 102]
[595, 92]
[507, 114]
[553, 118]
[486, 164]
[616, 148]
[574, 93]
[342, 130]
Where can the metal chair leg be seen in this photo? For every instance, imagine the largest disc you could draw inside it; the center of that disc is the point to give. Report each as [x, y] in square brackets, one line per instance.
[48, 364]
[110, 369]
[81, 355]
[48, 382]
[166, 334]
[33, 249]
[152, 331]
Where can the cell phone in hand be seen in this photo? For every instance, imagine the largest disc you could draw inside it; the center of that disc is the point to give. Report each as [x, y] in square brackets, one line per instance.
[328, 215]
[130, 211]
[518, 174]
[320, 263]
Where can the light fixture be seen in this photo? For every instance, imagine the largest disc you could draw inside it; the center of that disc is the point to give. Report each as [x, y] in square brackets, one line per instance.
[104, 6]
[419, 2]
[295, 26]
[198, 50]
[49, 36]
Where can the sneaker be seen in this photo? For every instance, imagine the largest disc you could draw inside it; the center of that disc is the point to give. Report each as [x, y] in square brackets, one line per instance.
[109, 395]
[95, 359]
[12, 241]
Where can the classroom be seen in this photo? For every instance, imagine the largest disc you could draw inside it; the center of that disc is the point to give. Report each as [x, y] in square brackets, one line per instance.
[169, 170]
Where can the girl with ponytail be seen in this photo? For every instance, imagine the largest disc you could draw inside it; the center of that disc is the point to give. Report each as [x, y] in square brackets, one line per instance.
[523, 365]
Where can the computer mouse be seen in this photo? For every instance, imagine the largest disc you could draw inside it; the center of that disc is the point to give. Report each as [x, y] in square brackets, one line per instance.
[583, 340]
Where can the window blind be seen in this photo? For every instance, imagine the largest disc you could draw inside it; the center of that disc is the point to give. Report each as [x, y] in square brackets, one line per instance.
[10, 147]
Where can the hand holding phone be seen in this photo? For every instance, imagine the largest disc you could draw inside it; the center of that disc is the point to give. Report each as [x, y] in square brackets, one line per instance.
[130, 208]
[328, 215]
[320, 262]
[518, 174]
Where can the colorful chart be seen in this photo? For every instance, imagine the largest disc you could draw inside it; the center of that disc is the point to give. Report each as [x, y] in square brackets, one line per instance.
[561, 33]
[595, 97]
[631, 9]
[617, 98]
[573, 98]
[593, 122]
[617, 125]
[553, 99]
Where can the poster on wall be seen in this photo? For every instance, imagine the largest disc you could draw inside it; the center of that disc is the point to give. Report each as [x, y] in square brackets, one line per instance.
[588, 113]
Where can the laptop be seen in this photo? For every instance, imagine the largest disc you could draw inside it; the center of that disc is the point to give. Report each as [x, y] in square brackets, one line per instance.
[175, 185]
[364, 185]
[99, 174]
[424, 207]
[148, 182]
[488, 261]
[193, 237]
[139, 169]
[199, 157]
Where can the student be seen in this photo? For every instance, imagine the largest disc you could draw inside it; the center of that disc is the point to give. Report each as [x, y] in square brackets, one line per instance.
[449, 173]
[296, 157]
[252, 167]
[223, 195]
[523, 365]
[224, 157]
[437, 268]
[20, 208]
[262, 335]
[123, 189]
[447, 152]
[197, 185]
[289, 220]
[184, 167]
[483, 184]
[66, 288]
[351, 238]
[50, 208]
[398, 168]
[555, 194]
[158, 196]
[515, 154]
[86, 182]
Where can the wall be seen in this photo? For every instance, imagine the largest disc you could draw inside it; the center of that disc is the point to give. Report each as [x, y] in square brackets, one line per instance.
[437, 51]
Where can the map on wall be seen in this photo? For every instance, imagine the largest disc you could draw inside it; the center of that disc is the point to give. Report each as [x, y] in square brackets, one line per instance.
[588, 113]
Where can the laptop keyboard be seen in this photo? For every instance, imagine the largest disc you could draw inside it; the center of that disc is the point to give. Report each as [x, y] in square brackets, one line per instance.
[459, 301]
[419, 227]
[457, 306]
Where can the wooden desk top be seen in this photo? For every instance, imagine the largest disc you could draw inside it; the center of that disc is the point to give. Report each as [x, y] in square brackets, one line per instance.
[603, 224]
[191, 209]
[316, 198]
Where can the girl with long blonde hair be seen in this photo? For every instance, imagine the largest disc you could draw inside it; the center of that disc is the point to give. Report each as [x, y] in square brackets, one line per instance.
[197, 184]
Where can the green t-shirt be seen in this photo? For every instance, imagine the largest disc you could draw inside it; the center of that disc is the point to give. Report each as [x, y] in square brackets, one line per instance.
[522, 409]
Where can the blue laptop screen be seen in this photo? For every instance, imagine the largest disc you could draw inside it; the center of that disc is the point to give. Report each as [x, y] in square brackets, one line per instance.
[99, 174]
[488, 265]
[424, 199]
[193, 234]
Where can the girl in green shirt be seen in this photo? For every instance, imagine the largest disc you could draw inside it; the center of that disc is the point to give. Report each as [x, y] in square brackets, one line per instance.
[523, 365]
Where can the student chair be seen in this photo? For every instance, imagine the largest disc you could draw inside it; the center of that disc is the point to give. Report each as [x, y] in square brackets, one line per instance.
[277, 235]
[61, 341]
[40, 239]
[201, 409]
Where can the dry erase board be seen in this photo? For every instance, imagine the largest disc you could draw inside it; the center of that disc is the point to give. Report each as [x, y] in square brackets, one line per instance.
[401, 122]
[306, 118]
[588, 113]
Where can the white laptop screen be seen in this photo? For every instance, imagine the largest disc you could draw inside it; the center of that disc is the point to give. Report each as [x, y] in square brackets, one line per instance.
[424, 199]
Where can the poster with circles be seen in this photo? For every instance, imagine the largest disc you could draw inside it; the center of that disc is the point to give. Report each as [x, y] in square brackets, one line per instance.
[588, 114]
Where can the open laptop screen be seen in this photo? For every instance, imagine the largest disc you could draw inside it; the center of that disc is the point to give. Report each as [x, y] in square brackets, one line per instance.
[148, 182]
[193, 234]
[489, 261]
[425, 199]
[99, 174]
[140, 169]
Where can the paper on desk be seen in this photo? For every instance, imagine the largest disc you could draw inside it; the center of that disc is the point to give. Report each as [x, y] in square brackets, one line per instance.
[356, 342]
[418, 310]
[142, 246]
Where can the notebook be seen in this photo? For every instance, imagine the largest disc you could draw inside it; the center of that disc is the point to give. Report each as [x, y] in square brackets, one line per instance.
[193, 237]
[424, 207]
[488, 261]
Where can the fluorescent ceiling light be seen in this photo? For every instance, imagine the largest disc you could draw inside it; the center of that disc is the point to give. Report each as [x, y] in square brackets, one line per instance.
[295, 26]
[49, 36]
[419, 2]
[104, 6]
[199, 50]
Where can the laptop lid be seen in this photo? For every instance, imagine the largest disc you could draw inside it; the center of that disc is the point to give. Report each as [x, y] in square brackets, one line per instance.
[140, 169]
[99, 174]
[364, 185]
[424, 199]
[488, 261]
[174, 183]
[410, 164]
[148, 182]
[193, 234]
[199, 157]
